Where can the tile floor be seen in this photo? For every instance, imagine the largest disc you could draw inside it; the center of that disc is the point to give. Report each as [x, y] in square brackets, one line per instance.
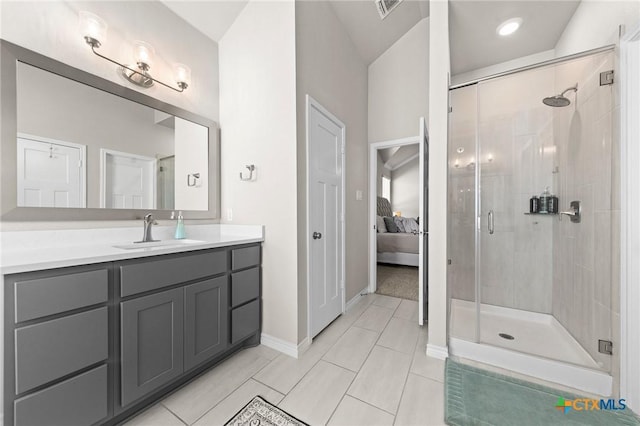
[367, 368]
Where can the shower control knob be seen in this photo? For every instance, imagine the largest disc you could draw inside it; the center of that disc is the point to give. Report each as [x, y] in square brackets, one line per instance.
[317, 235]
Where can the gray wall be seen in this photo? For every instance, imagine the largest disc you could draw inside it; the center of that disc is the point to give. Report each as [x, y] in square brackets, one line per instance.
[405, 193]
[329, 68]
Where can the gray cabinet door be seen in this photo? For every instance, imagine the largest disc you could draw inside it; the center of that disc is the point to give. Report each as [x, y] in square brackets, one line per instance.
[206, 325]
[151, 342]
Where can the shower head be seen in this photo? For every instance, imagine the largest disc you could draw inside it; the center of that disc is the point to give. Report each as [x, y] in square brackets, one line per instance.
[559, 100]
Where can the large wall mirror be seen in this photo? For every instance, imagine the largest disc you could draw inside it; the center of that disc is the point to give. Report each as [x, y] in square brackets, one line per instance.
[76, 146]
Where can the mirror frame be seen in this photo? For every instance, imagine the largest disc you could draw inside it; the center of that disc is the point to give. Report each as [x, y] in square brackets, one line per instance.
[10, 55]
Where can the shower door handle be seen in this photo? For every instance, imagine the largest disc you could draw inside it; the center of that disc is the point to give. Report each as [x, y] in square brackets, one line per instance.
[490, 221]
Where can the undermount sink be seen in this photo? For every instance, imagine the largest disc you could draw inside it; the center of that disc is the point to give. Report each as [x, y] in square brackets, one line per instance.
[158, 244]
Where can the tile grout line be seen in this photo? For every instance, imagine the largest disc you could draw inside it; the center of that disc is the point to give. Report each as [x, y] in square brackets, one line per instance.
[220, 402]
[404, 387]
[174, 414]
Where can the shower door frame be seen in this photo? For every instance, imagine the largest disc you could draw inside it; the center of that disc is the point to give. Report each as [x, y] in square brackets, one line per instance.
[629, 226]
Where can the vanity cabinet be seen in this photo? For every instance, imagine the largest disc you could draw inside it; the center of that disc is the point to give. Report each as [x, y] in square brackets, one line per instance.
[206, 320]
[94, 344]
[151, 337]
[57, 346]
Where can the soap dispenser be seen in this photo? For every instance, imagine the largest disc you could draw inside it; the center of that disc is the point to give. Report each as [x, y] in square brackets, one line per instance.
[544, 201]
[180, 234]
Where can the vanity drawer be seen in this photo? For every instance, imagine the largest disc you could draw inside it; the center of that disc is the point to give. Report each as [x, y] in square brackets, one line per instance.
[37, 298]
[141, 276]
[245, 321]
[81, 400]
[245, 285]
[245, 257]
[53, 349]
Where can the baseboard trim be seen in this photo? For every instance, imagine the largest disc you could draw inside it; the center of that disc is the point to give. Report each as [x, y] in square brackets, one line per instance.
[438, 352]
[287, 348]
[356, 298]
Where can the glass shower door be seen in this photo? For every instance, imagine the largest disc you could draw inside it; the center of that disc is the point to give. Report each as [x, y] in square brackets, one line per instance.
[461, 208]
[544, 282]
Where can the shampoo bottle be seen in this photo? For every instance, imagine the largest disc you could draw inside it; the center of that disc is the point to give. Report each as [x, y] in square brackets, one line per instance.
[180, 234]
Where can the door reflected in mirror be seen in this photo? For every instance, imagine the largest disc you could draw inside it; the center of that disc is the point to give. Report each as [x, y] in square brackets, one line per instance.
[78, 146]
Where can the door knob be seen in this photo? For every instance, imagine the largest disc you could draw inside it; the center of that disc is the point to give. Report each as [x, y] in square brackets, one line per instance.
[317, 235]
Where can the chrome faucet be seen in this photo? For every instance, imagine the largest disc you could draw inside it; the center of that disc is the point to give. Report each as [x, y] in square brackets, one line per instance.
[149, 221]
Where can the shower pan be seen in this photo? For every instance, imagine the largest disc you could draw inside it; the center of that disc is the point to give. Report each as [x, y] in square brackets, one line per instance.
[532, 292]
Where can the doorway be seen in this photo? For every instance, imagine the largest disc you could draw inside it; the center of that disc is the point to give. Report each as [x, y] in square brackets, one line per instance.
[325, 217]
[397, 258]
[51, 173]
[127, 181]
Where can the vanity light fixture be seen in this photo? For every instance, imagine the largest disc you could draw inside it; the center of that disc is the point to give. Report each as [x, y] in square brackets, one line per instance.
[94, 31]
[509, 26]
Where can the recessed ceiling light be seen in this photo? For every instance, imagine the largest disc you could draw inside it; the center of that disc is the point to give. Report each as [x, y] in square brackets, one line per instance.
[509, 26]
[460, 150]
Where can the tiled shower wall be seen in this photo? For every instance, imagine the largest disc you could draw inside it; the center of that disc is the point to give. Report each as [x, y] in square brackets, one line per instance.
[586, 256]
[515, 132]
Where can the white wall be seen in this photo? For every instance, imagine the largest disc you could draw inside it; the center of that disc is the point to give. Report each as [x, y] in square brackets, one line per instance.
[192, 156]
[330, 69]
[258, 126]
[399, 86]
[439, 68]
[595, 24]
[405, 193]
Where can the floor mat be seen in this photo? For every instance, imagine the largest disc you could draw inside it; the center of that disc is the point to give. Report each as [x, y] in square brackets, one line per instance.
[478, 397]
[259, 412]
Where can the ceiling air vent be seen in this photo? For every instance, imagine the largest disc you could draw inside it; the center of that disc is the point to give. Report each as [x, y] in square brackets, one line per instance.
[386, 6]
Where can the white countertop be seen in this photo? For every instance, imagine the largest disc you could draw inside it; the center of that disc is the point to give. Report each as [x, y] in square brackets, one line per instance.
[24, 251]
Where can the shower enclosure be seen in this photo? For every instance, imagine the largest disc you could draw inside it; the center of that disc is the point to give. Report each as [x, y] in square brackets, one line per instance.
[532, 291]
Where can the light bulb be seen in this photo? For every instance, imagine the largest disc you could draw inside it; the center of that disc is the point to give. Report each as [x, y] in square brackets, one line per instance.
[182, 75]
[143, 53]
[92, 28]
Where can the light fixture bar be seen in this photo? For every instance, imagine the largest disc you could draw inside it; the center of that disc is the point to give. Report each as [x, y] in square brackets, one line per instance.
[94, 31]
[182, 85]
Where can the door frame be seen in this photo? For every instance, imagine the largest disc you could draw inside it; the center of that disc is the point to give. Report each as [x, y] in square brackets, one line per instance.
[312, 103]
[373, 202]
[83, 159]
[103, 174]
[629, 227]
[373, 192]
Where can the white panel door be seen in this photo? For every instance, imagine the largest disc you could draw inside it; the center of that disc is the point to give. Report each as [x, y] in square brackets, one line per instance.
[326, 147]
[49, 174]
[128, 180]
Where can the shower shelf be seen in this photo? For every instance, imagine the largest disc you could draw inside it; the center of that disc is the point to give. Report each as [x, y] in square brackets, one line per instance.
[542, 214]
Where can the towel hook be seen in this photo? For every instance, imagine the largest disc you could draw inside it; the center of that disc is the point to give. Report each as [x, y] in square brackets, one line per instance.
[251, 168]
[192, 179]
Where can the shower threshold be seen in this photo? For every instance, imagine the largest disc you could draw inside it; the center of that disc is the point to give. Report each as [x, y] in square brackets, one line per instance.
[541, 347]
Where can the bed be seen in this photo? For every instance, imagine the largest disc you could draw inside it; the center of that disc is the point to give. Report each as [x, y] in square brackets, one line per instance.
[399, 248]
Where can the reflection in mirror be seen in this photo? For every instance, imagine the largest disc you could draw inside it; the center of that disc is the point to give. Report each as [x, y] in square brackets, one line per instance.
[79, 146]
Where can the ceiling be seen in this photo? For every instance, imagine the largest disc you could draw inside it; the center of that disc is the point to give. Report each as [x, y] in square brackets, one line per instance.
[472, 25]
[371, 35]
[396, 157]
[212, 18]
[475, 44]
